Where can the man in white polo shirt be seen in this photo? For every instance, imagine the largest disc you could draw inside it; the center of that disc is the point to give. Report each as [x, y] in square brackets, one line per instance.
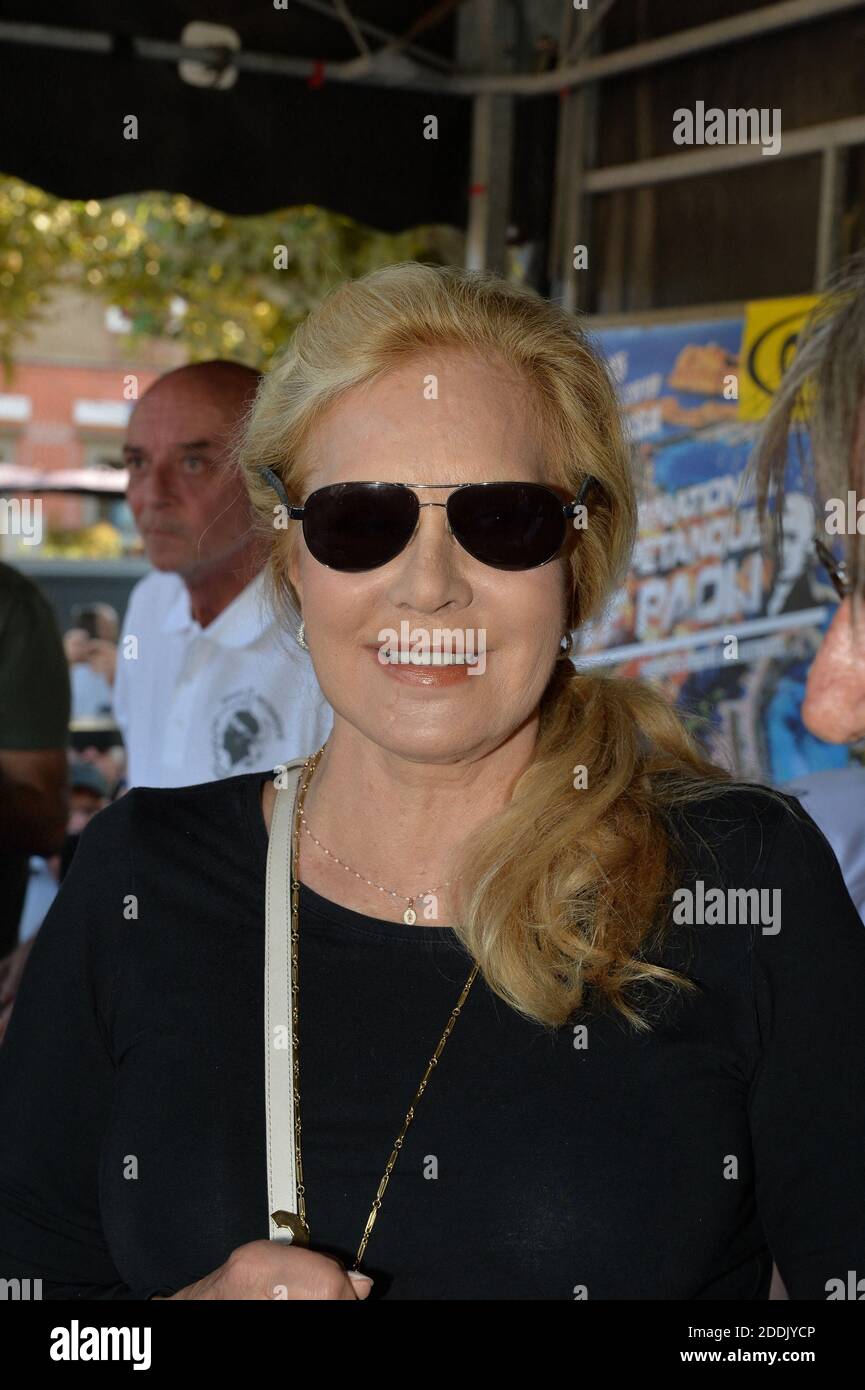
[208, 684]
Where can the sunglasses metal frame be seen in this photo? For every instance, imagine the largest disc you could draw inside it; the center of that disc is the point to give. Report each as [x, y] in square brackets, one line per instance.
[568, 508]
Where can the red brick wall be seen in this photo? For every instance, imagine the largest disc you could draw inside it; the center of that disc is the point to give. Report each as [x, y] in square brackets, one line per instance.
[51, 438]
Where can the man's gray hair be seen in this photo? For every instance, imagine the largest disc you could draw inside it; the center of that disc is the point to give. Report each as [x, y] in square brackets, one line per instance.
[822, 394]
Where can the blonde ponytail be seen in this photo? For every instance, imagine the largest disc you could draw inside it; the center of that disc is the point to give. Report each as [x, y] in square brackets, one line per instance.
[564, 887]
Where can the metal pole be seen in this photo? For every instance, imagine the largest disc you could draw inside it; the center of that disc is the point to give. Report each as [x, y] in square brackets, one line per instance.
[575, 152]
[768, 19]
[395, 70]
[481, 39]
[715, 159]
[833, 175]
[339, 10]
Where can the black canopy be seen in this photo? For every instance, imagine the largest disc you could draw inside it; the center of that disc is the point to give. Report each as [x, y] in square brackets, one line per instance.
[269, 141]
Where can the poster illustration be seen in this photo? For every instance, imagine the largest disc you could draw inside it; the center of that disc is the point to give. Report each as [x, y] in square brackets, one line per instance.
[705, 615]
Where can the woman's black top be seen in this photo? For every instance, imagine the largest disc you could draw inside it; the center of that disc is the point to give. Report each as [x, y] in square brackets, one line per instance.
[596, 1164]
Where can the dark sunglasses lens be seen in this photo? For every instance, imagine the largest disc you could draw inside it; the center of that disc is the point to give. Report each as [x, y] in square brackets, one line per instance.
[511, 526]
[358, 526]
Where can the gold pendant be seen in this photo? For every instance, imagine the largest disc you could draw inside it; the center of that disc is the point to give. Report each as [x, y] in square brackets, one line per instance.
[409, 916]
[288, 1221]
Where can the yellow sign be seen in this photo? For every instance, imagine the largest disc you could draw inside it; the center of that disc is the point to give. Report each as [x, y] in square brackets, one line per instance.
[768, 346]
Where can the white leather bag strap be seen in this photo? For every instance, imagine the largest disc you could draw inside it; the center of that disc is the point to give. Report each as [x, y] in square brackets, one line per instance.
[282, 1216]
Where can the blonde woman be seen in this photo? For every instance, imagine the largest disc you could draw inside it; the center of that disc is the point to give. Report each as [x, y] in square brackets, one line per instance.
[639, 985]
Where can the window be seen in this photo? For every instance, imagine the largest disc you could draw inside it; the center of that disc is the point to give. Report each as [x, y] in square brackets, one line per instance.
[8, 441]
[106, 452]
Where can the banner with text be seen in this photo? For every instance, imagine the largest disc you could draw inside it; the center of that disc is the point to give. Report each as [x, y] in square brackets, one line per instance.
[704, 614]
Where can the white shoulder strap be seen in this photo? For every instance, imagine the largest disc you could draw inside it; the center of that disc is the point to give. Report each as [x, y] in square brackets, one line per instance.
[282, 1219]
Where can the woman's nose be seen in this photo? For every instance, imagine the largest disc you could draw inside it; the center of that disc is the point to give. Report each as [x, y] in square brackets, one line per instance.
[428, 574]
[834, 704]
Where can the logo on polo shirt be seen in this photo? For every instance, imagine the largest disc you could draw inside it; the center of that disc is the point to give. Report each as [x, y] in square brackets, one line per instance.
[242, 733]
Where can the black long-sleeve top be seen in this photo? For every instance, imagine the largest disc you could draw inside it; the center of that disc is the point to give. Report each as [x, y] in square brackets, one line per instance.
[604, 1164]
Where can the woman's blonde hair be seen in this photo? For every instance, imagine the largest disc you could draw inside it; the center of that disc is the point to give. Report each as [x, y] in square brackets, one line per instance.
[564, 888]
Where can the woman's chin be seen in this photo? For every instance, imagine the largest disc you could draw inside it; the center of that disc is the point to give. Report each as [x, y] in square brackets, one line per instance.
[437, 741]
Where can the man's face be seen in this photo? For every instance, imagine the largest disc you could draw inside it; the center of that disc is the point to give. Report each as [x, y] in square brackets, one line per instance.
[834, 704]
[190, 514]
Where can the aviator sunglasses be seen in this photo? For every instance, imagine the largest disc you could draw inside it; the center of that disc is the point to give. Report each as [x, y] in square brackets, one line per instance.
[360, 526]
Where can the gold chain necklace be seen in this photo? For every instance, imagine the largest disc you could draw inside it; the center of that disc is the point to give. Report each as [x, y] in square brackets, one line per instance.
[302, 1235]
[409, 916]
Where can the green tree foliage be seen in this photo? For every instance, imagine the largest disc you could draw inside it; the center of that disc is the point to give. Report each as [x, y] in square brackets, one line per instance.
[181, 270]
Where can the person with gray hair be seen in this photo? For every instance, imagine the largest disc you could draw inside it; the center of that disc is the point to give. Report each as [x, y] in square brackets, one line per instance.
[821, 402]
[205, 687]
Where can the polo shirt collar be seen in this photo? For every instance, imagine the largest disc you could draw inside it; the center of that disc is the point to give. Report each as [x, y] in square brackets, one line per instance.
[239, 625]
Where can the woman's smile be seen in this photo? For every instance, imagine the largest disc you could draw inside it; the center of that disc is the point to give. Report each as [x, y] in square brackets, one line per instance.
[435, 669]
